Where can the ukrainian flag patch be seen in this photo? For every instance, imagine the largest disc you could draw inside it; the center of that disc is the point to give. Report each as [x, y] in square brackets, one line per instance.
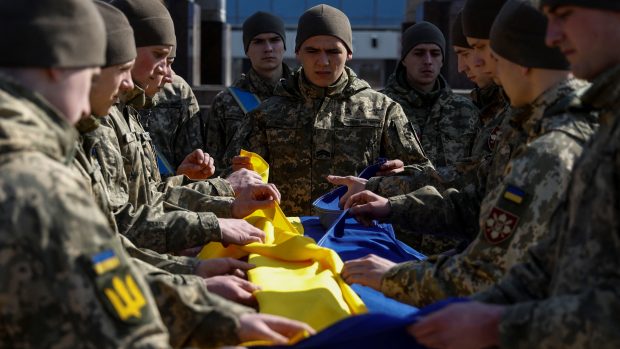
[514, 194]
[105, 261]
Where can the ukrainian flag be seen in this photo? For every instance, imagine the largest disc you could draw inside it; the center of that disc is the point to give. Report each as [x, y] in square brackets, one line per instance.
[105, 261]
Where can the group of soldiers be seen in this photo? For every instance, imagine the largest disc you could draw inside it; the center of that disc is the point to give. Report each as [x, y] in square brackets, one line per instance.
[111, 180]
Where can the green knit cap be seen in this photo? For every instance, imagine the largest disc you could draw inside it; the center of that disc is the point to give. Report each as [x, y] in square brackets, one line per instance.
[458, 38]
[51, 33]
[324, 20]
[121, 45]
[150, 21]
[518, 35]
[478, 17]
[612, 5]
[262, 22]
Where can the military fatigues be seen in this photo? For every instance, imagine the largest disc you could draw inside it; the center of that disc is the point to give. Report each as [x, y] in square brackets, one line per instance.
[306, 133]
[226, 116]
[63, 271]
[515, 214]
[566, 293]
[191, 314]
[166, 216]
[175, 123]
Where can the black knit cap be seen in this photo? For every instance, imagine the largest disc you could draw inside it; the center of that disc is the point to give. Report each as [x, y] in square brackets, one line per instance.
[612, 5]
[51, 33]
[458, 38]
[478, 17]
[324, 20]
[262, 22]
[518, 35]
[121, 46]
[421, 33]
[150, 21]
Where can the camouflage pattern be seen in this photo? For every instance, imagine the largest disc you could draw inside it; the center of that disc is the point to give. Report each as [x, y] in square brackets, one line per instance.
[175, 123]
[445, 122]
[185, 305]
[515, 214]
[307, 133]
[492, 102]
[226, 117]
[54, 291]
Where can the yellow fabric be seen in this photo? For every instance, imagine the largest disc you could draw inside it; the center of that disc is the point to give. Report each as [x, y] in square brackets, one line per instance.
[298, 279]
[259, 165]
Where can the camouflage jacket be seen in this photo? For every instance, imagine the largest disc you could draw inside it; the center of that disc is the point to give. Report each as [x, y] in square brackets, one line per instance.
[566, 293]
[492, 103]
[226, 117]
[175, 122]
[445, 122]
[66, 281]
[184, 303]
[515, 214]
[162, 216]
[307, 133]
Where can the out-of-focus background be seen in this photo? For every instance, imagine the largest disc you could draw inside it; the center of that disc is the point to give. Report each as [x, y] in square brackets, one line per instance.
[210, 49]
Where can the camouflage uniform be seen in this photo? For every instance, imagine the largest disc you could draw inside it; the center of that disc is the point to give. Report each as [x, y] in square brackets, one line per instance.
[306, 132]
[192, 315]
[566, 293]
[514, 214]
[445, 122]
[226, 116]
[55, 290]
[175, 122]
[160, 216]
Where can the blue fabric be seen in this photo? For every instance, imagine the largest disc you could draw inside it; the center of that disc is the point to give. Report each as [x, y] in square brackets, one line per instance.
[370, 331]
[165, 169]
[246, 100]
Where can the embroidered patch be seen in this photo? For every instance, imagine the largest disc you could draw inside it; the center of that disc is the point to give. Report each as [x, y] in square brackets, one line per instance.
[494, 137]
[499, 225]
[514, 194]
[105, 261]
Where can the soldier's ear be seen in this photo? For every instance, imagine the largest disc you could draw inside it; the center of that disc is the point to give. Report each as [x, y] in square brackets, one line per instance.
[349, 56]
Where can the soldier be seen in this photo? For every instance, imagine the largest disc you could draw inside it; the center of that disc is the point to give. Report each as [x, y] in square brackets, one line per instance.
[264, 42]
[445, 121]
[172, 216]
[177, 125]
[565, 294]
[323, 119]
[515, 214]
[66, 282]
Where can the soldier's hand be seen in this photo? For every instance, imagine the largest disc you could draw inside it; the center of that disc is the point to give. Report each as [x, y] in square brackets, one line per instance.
[366, 206]
[239, 162]
[354, 185]
[239, 232]
[197, 165]
[462, 325]
[255, 197]
[367, 271]
[275, 329]
[222, 266]
[242, 179]
[233, 288]
[391, 167]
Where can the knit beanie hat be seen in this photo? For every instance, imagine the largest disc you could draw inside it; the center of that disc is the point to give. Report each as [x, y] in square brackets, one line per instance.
[324, 20]
[262, 22]
[121, 47]
[612, 5]
[422, 33]
[51, 33]
[150, 21]
[478, 17]
[518, 35]
[458, 38]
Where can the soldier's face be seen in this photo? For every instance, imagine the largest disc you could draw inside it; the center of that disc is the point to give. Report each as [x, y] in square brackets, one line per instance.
[169, 73]
[587, 37]
[150, 68]
[323, 58]
[513, 79]
[423, 64]
[266, 52]
[482, 57]
[465, 63]
[70, 90]
[105, 91]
